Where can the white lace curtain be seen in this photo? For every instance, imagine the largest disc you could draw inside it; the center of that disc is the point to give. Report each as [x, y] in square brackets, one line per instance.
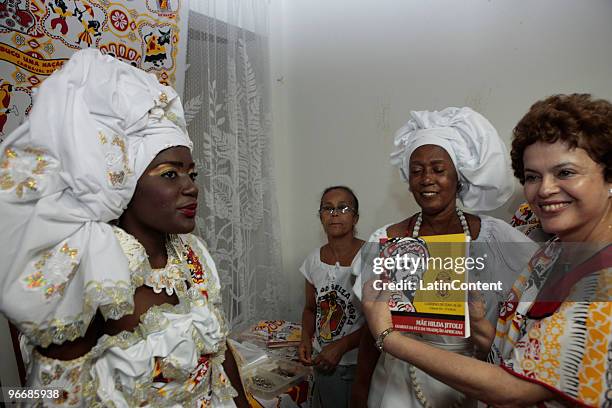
[227, 107]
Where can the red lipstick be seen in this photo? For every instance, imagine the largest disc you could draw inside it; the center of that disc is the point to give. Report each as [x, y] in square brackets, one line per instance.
[189, 210]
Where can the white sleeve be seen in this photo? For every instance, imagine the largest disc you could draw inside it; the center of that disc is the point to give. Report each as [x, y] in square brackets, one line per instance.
[359, 264]
[306, 267]
[514, 247]
[378, 234]
[507, 253]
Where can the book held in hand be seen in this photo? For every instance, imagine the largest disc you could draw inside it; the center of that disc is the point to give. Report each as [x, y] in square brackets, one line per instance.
[427, 278]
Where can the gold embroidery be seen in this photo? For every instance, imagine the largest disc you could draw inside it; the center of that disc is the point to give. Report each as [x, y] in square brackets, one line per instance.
[117, 162]
[182, 390]
[53, 271]
[116, 177]
[163, 98]
[19, 169]
[71, 377]
[117, 295]
[6, 181]
[10, 154]
[102, 138]
[117, 141]
[71, 252]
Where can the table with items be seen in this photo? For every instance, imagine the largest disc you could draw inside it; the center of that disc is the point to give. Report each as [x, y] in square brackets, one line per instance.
[266, 353]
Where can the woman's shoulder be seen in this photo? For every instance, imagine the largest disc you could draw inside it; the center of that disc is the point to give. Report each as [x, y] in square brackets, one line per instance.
[132, 249]
[379, 233]
[508, 248]
[314, 256]
[495, 229]
[391, 230]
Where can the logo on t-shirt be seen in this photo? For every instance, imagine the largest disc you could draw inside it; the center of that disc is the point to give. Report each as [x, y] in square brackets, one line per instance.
[335, 312]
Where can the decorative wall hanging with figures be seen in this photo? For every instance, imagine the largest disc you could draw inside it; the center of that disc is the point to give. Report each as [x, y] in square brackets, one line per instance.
[38, 36]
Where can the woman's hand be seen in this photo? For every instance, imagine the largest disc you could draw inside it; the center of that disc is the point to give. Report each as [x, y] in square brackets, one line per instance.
[375, 306]
[478, 305]
[330, 356]
[305, 352]
[483, 332]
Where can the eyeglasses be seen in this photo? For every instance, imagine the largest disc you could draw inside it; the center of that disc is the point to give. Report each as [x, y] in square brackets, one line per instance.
[341, 209]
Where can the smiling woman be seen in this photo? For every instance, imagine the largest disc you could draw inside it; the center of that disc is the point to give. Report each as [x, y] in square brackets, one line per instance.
[562, 154]
[551, 346]
[566, 189]
[429, 163]
[447, 155]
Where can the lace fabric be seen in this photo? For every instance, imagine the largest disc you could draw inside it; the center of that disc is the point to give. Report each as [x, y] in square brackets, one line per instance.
[174, 355]
[227, 109]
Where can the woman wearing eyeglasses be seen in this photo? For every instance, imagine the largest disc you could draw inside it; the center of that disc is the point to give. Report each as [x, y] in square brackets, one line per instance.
[332, 319]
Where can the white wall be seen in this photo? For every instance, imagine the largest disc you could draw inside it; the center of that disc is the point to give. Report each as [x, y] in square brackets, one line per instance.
[346, 73]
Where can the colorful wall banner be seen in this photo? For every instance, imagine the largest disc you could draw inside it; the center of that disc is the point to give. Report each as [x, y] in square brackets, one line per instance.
[38, 36]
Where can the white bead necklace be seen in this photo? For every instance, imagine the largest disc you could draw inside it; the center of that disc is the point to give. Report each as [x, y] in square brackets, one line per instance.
[416, 385]
[418, 391]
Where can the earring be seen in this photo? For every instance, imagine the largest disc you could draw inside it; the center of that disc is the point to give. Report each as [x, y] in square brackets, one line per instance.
[610, 192]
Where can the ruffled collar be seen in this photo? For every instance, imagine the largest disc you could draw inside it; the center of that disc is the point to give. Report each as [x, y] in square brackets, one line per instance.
[172, 278]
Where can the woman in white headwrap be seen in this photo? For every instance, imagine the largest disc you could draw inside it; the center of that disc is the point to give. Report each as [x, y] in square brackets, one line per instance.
[552, 343]
[117, 303]
[444, 156]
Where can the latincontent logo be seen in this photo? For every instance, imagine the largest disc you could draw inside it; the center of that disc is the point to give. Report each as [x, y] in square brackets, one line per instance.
[409, 266]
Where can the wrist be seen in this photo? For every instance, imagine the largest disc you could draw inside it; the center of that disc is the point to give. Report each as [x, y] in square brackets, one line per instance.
[344, 344]
[380, 339]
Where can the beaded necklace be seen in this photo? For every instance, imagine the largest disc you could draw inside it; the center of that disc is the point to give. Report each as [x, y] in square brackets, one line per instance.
[416, 385]
[419, 221]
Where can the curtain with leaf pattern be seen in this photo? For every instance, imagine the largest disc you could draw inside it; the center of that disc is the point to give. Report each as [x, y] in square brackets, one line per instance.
[226, 100]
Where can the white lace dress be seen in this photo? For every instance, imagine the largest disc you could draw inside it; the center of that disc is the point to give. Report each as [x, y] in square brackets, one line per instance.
[173, 358]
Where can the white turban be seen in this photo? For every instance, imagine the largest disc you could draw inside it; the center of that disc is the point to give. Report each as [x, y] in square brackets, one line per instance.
[480, 157]
[65, 173]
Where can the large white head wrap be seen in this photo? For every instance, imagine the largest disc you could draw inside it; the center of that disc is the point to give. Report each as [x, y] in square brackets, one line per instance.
[65, 173]
[480, 157]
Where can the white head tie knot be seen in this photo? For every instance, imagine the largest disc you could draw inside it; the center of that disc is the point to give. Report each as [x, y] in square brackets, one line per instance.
[480, 157]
